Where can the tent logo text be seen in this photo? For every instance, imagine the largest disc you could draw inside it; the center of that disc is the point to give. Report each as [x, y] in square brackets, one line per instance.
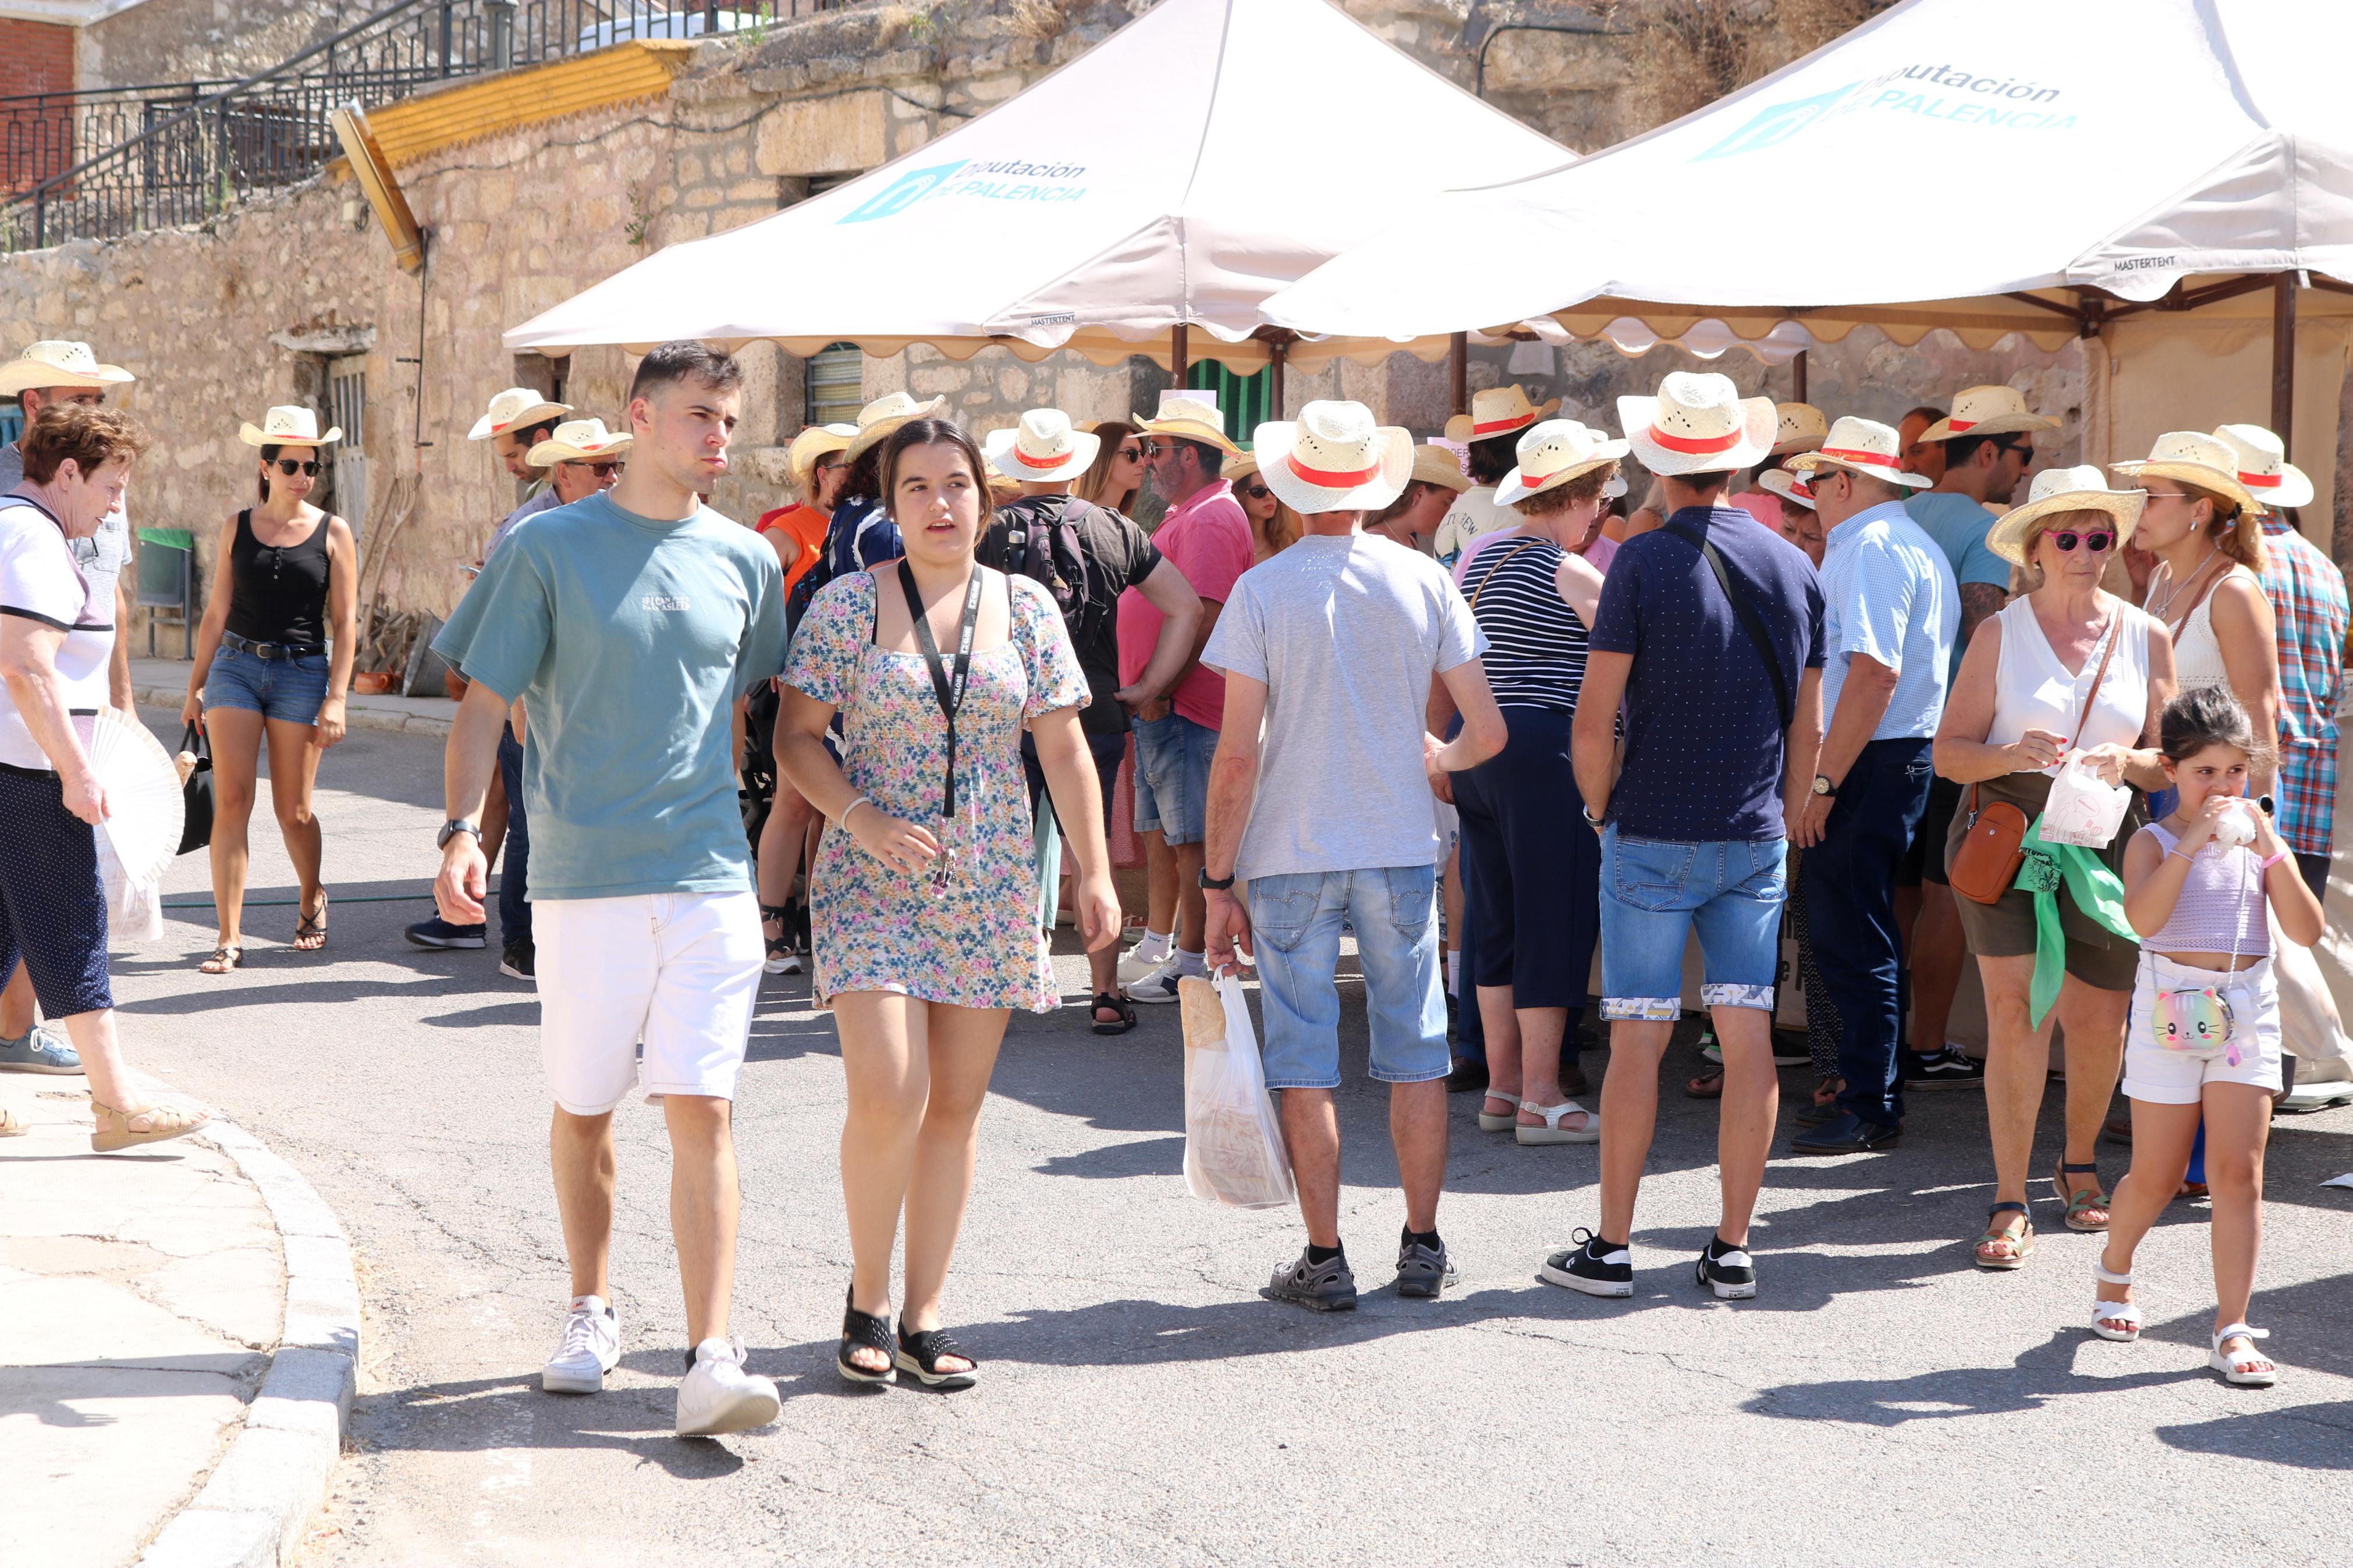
[904, 193]
[2005, 103]
[1005, 180]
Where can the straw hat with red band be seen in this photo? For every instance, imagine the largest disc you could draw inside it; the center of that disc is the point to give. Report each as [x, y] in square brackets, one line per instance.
[2193, 457]
[1044, 449]
[1988, 411]
[1698, 424]
[1333, 458]
[2264, 470]
[1801, 429]
[1552, 454]
[1498, 411]
[579, 441]
[56, 363]
[1867, 447]
[1787, 486]
[516, 408]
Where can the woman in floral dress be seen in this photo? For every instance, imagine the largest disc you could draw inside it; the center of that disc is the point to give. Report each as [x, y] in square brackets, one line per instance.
[923, 899]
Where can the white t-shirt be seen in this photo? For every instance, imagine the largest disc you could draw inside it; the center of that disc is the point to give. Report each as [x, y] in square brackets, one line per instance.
[103, 555]
[1475, 512]
[1346, 632]
[39, 581]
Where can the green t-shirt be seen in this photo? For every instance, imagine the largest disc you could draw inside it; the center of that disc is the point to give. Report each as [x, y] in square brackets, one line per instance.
[629, 640]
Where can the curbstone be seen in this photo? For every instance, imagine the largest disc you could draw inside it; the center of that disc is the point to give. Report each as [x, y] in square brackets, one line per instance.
[204, 1538]
[359, 713]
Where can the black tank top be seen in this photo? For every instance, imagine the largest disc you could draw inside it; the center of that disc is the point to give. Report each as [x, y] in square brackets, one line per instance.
[278, 594]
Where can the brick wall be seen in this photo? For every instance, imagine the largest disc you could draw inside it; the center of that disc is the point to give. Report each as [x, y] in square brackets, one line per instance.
[34, 56]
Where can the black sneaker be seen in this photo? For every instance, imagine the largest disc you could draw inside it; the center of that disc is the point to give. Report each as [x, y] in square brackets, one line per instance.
[1596, 1266]
[438, 933]
[1848, 1134]
[1951, 1068]
[519, 962]
[1727, 1270]
[1423, 1270]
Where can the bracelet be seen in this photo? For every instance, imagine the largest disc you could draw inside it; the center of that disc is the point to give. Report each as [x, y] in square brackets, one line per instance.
[842, 821]
[2267, 865]
[2177, 851]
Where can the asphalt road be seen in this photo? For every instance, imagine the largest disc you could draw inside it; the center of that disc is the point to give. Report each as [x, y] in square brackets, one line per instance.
[1881, 1399]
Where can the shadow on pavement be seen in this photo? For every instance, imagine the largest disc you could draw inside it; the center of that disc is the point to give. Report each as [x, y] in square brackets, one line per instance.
[2306, 1436]
[484, 1414]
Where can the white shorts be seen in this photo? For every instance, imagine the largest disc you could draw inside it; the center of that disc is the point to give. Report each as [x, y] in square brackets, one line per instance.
[2174, 1077]
[679, 971]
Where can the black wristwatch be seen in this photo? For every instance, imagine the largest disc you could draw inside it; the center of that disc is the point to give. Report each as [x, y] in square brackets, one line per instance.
[451, 828]
[1822, 785]
[2265, 802]
[1214, 884]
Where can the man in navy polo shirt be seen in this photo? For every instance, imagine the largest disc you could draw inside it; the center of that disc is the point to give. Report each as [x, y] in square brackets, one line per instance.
[1710, 630]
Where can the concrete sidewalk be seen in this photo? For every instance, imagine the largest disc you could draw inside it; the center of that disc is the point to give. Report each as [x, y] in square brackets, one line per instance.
[183, 1324]
[163, 682]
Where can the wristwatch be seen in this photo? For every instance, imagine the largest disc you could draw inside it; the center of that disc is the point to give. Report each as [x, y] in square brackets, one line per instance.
[1595, 823]
[1822, 786]
[454, 826]
[2265, 802]
[1214, 884]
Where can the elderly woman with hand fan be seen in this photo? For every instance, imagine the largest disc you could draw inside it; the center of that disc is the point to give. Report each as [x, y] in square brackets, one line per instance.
[55, 642]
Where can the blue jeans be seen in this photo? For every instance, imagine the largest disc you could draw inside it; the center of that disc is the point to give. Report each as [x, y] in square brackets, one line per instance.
[1295, 932]
[515, 879]
[1850, 880]
[1655, 892]
[1172, 777]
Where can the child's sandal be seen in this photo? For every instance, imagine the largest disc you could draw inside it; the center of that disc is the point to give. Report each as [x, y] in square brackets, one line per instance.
[864, 1331]
[2104, 1313]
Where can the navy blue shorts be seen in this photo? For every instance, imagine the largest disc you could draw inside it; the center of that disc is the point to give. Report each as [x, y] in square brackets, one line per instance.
[1535, 881]
[288, 688]
[52, 904]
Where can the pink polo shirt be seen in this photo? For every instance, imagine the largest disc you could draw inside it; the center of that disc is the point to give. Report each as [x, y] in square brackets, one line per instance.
[1209, 538]
[1762, 505]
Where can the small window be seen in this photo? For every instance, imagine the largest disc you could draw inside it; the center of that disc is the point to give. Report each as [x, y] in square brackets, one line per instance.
[835, 379]
[347, 396]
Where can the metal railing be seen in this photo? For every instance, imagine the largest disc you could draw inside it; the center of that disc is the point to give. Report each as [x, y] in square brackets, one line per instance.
[104, 163]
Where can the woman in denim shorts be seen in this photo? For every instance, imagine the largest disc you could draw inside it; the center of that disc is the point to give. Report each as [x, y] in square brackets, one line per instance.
[274, 659]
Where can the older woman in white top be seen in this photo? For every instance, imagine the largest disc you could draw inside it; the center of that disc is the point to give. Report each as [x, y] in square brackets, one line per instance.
[2024, 699]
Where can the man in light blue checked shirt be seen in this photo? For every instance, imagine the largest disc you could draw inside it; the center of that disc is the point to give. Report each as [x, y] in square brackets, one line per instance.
[1891, 611]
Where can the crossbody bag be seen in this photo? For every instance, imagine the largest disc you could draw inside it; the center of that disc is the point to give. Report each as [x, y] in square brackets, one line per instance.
[1993, 845]
[1754, 625]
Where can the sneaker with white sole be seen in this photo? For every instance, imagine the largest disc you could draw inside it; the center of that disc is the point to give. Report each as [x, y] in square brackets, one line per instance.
[1727, 1270]
[591, 1348]
[1141, 962]
[1593, 1266]
[719, 1396]
[1159, 987]
[40, 1049]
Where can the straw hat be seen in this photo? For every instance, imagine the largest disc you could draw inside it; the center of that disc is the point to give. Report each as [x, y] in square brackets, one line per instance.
[1333, 458]
[800, 457]
[1803, 427]
[1698, 424]
[1241, 466]
[1787, 486]
[1988, 411]
[2194, 459]
[1552, 454]
[1866, 446]
[2264, 468]
[576, 441]
[2063, 490]
[1498, 411]
[1437, 465]
[53, 361]
[1189, 413]
[288, 426]
[886, 414]
[516, 408]
[1044, 449]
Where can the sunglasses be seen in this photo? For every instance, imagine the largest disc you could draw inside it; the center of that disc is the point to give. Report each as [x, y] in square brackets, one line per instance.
[606, 470]
[1256, 492]
[1133, 453]
[2094, 542]
[290, 467]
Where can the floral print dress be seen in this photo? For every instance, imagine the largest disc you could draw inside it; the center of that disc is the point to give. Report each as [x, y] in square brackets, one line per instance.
[874, 928]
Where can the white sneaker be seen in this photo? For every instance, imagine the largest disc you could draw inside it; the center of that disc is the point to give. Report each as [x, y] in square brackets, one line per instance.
[719, 1396]
[1140, 964]
[1160, 985]
[591, 1348]
[785, 963]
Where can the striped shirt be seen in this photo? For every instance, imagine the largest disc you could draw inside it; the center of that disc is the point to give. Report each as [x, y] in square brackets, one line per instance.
[2308, 604]
[1535, 643]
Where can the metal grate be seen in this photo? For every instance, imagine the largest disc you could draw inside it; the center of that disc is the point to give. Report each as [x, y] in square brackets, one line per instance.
[835, 379]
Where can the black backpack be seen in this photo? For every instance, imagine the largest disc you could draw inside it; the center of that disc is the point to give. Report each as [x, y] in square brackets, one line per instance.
[1037, 537]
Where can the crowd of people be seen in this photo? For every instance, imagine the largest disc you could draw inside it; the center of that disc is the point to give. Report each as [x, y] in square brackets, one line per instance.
[1455, 703]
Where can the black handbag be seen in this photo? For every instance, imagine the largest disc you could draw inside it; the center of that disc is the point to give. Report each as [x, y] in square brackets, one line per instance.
[197, 792]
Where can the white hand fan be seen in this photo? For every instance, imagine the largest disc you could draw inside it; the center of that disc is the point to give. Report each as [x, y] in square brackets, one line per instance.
[146, 809]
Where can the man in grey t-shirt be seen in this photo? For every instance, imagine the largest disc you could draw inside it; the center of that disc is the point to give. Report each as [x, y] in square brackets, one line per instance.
[1328, 648]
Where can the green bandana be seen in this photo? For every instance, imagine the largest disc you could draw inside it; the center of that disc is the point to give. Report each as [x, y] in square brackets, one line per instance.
[2096, 892]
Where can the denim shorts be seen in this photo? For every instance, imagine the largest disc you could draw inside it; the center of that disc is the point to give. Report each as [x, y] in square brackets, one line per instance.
[1655, 893]
[1172, 777]
[288, 688]
[1295, 934]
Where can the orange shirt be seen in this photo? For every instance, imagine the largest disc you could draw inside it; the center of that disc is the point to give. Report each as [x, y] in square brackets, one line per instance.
[805, 526]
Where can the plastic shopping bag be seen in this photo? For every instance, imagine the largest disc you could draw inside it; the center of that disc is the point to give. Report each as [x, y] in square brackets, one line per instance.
[1233, 1144]
[2082, 810]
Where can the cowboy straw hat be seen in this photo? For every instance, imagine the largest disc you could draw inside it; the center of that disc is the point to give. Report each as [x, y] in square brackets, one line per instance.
[1787, 486]
[56, 362]
[2063, 490]
[1189, 413]
[1498, 411]
[1333, 458]
[288, 425]
[886, 414]
[1437, 465]
[516, 408]
[1698, 424]
[2193, 457]
[1867, 447]
[800, 457]
[2264, 468]
[578, 441]
[1553, 453]
[1043, 448]
[1988, 411]
[1802, 428]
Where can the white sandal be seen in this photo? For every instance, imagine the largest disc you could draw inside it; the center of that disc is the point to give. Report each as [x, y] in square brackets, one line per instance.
[2103, 1312]
[1491, 1122]
[2248, 1368]
[1552, 1132]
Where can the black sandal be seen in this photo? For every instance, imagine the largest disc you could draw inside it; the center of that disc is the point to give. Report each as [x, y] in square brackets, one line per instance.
[863, 1332]
[919, 1353]
[1121, 1006]
[780, 946]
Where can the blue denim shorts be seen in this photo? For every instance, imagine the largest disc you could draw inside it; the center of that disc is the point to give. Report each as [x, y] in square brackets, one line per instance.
[1172, 777]
[1655, 893]
[1295, 934]
[288, 688]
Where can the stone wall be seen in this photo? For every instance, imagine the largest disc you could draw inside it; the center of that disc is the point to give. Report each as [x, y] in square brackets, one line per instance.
[188, 41]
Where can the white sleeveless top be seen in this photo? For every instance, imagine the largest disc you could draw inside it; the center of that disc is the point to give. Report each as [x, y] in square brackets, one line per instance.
[2196, 655]
[2032, 690]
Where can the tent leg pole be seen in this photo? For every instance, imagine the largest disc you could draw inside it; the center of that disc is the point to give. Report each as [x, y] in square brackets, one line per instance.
[1458, 373]
[1177, 346]
[1274, 360]
[1798, 378]
[2283, 357]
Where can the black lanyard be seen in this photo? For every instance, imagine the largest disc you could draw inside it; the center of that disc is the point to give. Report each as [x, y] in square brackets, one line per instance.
[948, 689]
